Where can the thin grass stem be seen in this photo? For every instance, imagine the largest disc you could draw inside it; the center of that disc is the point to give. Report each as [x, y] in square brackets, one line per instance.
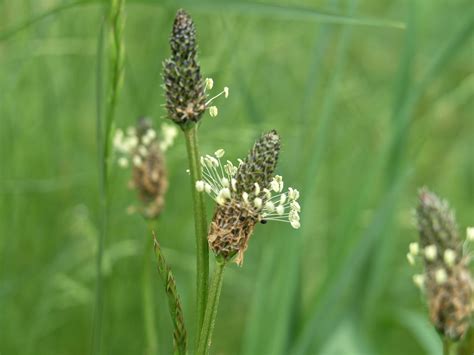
[116, 64]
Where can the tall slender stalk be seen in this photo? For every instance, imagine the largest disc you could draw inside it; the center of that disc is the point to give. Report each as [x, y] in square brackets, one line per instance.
[148, 294]
[200, 224]
[116, 63]
[211, 309]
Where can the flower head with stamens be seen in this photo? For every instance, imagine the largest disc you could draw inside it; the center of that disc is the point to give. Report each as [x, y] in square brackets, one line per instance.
[145, 148]
[246, 193]
[446, 279]
[186, 91]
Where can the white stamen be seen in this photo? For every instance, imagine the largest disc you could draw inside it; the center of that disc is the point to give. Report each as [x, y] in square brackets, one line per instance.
[213, 111]
[441, 276]
[257, 189]
[225, 182]
[219, 153]
[200, 185]
[257, 202]
[295, 206]
[137, 161]
[275, 185]
[270, 206]
[470, 234]
[295, 224]
[142, 150]
[280, 210]
[419, 280]
[449, 257]
[209, 83]
[123, 162]
[431, 252]
[414, 248]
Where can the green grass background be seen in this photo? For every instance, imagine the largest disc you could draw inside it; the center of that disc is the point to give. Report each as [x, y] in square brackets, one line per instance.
[368, 112]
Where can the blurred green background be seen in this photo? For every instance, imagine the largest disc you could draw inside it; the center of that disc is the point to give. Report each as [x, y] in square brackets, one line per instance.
[368, 112]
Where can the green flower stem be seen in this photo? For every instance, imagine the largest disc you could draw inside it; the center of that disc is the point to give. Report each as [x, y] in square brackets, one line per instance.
[211, 309]
[449, 348]
[200, 224]
[148, 294]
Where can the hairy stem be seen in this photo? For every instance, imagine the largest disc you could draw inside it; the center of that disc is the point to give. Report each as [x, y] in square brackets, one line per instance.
[211, 309]
[200, 224]
[148, 294]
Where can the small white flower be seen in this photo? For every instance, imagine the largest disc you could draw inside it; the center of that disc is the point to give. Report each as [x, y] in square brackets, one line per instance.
[213, 111]
[282, 199]
[209, 83]
[449, 257]
[208, 188]
[200, 185]
[226, 92]
[441, 276]
[419, 280]
[245, 197]
[123, 162]
[219, 153]
[470, 234]
[414, 249]
[233, 183]
[431, 252]
[411, 259]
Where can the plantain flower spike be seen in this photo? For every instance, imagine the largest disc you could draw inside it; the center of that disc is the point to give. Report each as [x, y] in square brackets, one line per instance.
[246, 194]
[142, 146]
[186, 90]
[446, 281]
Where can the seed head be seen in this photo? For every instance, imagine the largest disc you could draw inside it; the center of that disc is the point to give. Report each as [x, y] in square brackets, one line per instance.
[185, 88]
[446, 280]
[246, 194]
[259, 166]
[144, 149]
